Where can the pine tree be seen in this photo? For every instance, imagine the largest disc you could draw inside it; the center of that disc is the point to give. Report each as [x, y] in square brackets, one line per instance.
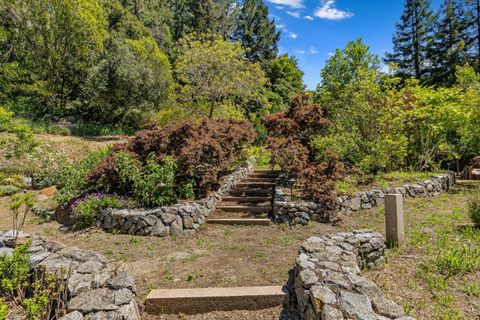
[448, 47]
[411, 40]
[473, 39]
[257, 32]
[203, 16]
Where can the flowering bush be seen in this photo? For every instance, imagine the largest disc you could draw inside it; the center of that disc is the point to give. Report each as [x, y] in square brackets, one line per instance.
[87, 206]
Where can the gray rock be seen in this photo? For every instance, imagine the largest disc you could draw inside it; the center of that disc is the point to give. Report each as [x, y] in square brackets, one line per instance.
[122, 280]
[356, 306]
[322, 294]
[92, 301]
[176, 228]
[331, 313]
[168, 218]
[188, 222]
[75, 315]
[160, 230]
[6, 251]
[151, 220]
[78, 283]
[129, 311]
[123, 296]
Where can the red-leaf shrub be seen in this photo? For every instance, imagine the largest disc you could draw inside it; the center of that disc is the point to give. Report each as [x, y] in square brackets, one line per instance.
[203, 151]
[289, 143]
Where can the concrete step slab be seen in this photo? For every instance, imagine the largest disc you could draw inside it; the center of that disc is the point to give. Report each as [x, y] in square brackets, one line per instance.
[203, 300]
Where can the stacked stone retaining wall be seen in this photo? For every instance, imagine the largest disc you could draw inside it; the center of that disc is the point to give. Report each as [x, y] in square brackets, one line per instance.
[97, 288]
[177, 220]
[328, 284]
[303, 212]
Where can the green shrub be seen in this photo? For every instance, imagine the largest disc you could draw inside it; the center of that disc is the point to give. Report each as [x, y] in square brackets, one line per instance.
[474, 208]
[46, 299]
[153, 184]
[8, 190]
[3, 310]
[86, 208]
[72, 177]
[14, 271]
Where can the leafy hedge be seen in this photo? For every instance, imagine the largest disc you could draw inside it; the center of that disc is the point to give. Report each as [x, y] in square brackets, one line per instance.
[291, 132]
[170, 162]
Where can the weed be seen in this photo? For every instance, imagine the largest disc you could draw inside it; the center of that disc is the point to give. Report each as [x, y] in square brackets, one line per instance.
[457, 259]
[192, 277]
[472, 289]
[134, 240]
[286, 240]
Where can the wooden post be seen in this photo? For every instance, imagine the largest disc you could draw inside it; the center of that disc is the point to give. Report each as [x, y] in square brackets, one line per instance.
[394, 220]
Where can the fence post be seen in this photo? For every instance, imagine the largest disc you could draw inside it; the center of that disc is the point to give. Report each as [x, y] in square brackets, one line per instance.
[394, 220]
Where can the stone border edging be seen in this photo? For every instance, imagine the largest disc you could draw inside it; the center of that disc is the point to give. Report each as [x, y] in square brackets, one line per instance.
[304, 212]
[97, 288]
[328, 282]
[180, 219]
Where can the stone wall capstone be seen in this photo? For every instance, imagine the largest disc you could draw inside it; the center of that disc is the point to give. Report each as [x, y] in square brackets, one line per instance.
[304, 212]
[328, 284]
[97, 288]
[177, 220]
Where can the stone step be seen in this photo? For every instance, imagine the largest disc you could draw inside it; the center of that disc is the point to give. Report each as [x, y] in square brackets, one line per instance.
[252, 192]
[259, 179]
[249, 209]
[247, 199]
[203, 300]
[240, 221]
[267, 171]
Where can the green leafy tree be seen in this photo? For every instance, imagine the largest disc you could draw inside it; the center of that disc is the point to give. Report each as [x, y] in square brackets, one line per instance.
[128, 85]
[362, 109]
[448, 48]
[213, 71]
[411, 38]
[257, 32]
[57, 41]
[156, 16]
[286, 78]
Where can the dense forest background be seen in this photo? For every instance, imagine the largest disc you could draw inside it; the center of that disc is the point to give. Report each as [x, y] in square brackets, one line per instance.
[122, 63]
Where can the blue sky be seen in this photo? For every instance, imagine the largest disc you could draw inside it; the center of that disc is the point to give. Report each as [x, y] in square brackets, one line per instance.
[313, 29]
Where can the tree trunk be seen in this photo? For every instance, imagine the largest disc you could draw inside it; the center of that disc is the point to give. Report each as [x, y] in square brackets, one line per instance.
[212, 108]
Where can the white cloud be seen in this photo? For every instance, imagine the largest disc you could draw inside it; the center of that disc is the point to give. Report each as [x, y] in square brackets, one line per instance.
[295, 14]
[308, 18]
[297, 4]
[330, 54]
[281, 27]
[329, 12]
[300, 51]
[312, 50]
[292, 35]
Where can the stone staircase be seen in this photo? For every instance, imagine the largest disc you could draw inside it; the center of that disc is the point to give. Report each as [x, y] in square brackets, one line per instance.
[250, 202]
